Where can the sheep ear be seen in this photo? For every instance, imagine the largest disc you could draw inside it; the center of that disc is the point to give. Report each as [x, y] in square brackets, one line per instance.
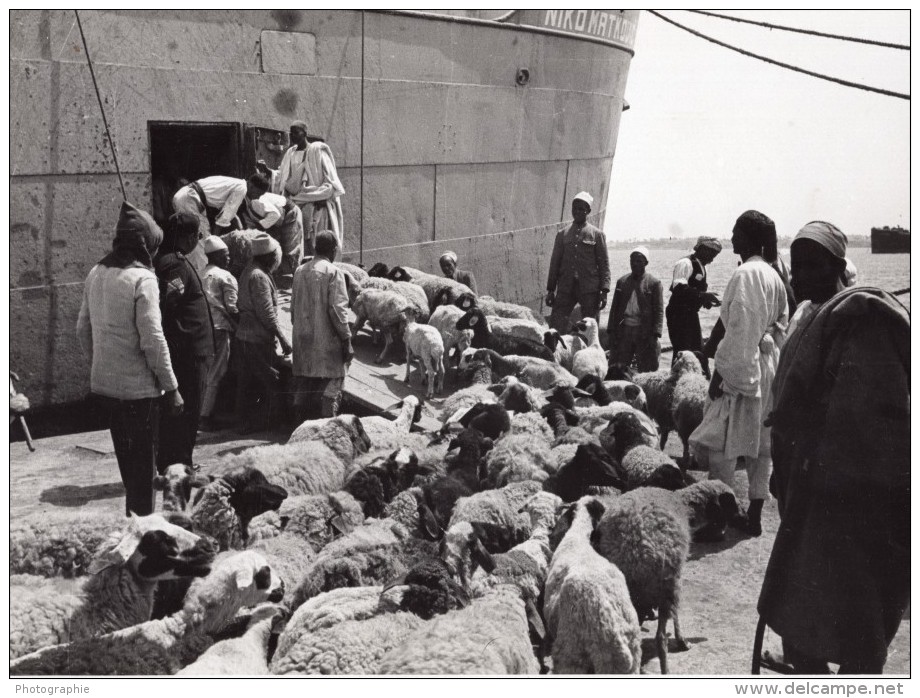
[631, 391]
[562, 342]
[482, 557]
[496, 388]
[588, 391]
[399, 581]
[340, 524]
[533, 617]
[244, 578]
[428, 523]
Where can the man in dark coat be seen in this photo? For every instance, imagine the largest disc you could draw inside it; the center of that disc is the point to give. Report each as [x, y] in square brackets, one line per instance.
[188, 331]
[636, 316]
[579, 270]
[838, 580]
[689, 293]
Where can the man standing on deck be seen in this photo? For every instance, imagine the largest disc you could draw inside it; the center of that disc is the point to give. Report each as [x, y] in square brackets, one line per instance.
[307, 176]
[689, 293]
[321, 336]
[636, 315]
[579, 268]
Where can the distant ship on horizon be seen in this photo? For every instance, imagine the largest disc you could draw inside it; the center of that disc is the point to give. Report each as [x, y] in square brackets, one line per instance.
[890, 240]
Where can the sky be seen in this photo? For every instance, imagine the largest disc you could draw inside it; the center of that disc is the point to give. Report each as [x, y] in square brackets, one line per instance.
[711, 133]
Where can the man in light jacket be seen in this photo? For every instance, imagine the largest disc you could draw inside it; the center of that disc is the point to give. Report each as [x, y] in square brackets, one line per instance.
[321, 337]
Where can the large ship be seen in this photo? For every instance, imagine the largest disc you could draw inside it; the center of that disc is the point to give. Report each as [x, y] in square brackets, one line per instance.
[469, 130]
[890, 240]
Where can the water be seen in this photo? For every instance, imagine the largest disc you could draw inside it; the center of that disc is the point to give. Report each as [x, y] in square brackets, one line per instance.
[890, 272]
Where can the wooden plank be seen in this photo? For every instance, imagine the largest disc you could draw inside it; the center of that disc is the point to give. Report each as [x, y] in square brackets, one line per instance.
[378, 387]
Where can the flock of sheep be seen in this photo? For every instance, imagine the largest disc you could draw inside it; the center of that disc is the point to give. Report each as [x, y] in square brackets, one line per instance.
[533, 533]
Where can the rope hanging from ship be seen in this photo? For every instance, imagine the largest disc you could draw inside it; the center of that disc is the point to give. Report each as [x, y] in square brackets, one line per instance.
[743, 52]
[105, 121]
[811, 32]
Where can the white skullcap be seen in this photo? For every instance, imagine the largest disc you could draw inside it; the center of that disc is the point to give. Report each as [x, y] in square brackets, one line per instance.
[213, 244]
[584, 196]
[641, 249]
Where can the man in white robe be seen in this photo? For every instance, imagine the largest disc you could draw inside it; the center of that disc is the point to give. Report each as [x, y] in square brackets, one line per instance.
[755, 314]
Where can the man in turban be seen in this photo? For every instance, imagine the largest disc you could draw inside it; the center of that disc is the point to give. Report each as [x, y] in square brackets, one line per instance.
[838, 581]
[689, 293]
[448, 263]
[579, 270]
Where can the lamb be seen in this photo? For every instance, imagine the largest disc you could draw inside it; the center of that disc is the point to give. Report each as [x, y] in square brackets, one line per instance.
[289, 554]
[118, 593]
[176, 483]
[237, 580]
[516, 458]
[56, 543]
[505, 336]
[344, 434]
[563, 347]
[492, 307]
[590, 466]
[424, 342]
[444, 318]
[382, 309]
[688, 403]
[434, 286]
[587, 605]
[246, 655]
[659, 390]
[639, 464]
[591, 359]
[604, 392]
[226, 506]
[534, 371]
[490, 636]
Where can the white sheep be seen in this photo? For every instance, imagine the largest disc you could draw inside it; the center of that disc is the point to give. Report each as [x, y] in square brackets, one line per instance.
[534, 371]
[516, 458]
[490, 636]
[386, 434]
[237, 580]
[659, 390]
[688, 402]
[176, 483]
[344, 434]
[444, 319]
[246, 655]
[589, 360]
[382, 310]
[303, 467]
[435, 287]
[531, 424]
[587, 605]
[424, 342]
[119, 591]
[501, 309]
[595, 419]
[357, 273]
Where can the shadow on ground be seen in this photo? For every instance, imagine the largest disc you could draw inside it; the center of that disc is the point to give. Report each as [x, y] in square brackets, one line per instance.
[76, 496]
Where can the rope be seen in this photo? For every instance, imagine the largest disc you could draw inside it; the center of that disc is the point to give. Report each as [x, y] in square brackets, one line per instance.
[505, 17]
[845, 83]
[901, 292]
[854, 39]
[105, 122]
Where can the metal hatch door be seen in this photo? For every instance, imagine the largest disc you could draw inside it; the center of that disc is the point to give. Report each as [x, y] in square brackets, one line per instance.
[260, 143]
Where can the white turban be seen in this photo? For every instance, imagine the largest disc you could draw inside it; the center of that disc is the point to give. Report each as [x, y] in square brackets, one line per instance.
[584, 196]
[641, 249]
[452, 256]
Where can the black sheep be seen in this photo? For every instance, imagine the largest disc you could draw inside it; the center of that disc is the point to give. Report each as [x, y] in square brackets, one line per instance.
[591, 466]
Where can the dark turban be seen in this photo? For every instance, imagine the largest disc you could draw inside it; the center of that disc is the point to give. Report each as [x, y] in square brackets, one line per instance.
[137, 237]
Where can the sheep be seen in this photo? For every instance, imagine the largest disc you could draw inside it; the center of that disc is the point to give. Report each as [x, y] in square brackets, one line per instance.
[386, 433]
[53, 543]
[590, 466]
[246, 655]
[344, 434]
[490, 636]
[534, 371]
[435, 287]
[639, 464]
[517, 337]
[605, 392]
[659, 390]
[587, 605]
[490, 306]
[595, 419]
[532, 424]
[372, 554]
[375, 484]
[226, 506]
[516, 458]
[289, 555]
[357, 273]
[423, 342]
[320, 518]
[237, 580]
[444, 318]
[562, 346]
[437, 499]
[589, 360]
[382, 309]
[710, 503]
[489, 419]
[688, 403]
[478, 392]
[646, 534]
[176, 483]
[119, 592]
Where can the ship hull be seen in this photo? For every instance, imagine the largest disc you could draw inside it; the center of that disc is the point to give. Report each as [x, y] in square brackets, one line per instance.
[438, 144]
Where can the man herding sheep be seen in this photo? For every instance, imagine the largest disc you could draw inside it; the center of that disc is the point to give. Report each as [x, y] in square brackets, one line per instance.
[322, 339]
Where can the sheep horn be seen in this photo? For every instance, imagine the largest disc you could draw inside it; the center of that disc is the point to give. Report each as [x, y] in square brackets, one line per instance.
[533, 617]
[399, 581]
